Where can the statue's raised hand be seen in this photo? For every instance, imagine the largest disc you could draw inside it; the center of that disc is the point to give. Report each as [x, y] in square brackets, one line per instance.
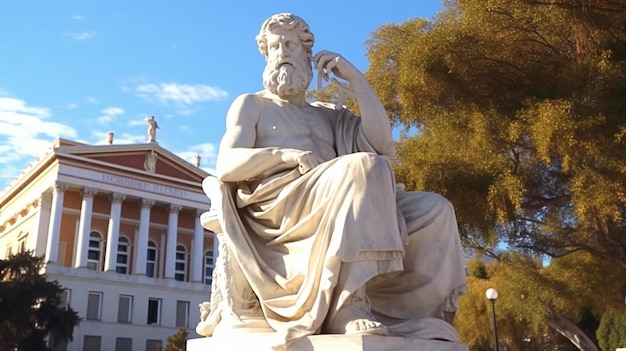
[327, 62]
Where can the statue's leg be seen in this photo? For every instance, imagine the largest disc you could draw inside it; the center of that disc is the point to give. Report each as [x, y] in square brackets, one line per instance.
[355, 317]
[434, 273]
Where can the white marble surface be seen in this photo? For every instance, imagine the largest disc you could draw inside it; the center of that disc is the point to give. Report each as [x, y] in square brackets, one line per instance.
[317, 236]
[259, 342]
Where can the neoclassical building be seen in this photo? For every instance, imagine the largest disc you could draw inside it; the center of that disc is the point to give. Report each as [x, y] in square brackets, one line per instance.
[120, 230]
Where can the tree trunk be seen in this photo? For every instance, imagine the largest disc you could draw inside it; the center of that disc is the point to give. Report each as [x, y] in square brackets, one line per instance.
[569, 330]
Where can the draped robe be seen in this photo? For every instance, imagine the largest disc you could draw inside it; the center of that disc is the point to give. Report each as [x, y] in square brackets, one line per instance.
[306, 242]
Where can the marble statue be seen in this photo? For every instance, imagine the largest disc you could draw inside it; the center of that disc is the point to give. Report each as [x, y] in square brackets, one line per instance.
[316, 236]
[152, 127]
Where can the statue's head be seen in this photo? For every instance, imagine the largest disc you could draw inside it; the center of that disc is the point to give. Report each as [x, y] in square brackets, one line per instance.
[287, 44]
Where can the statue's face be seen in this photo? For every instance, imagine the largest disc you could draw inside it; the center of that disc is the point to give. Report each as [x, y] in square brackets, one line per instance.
[283, 45]
[288, 70]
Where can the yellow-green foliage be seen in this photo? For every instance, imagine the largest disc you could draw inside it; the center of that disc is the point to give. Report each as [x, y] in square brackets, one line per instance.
[520, 115]
[571, 286]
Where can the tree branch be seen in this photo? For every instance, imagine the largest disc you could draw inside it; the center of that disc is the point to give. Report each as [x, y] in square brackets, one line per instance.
[569, 330]
[537, 202]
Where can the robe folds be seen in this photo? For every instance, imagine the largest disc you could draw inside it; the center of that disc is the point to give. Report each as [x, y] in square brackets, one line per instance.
[306, 242]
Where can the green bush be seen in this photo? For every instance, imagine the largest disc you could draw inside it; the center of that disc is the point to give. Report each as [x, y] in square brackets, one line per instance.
[611, 333]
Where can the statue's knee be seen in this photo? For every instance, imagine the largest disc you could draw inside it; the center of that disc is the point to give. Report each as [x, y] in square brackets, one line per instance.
[441, 204]
[375, 164]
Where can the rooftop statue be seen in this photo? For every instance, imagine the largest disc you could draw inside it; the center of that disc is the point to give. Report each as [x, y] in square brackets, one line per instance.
[152, 127]
[317, 235]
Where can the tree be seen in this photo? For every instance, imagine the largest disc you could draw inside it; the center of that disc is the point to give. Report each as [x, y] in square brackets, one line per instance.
[30, 306]
[520, 115]
[612, 330]
[177, 341]
[540, 308]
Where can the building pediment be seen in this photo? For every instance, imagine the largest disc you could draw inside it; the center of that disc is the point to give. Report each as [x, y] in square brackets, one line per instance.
[147, 158]
[147, 163]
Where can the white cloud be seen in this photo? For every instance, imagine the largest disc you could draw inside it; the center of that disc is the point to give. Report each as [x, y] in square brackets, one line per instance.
[83, 35]
[104, 119]
[207, 152]
[113, 111]
[121, 139]
[26, 133]
[183, 95]
[109, 114]
[92, 100]
[136, 122]
[77, 18]
[71, 106]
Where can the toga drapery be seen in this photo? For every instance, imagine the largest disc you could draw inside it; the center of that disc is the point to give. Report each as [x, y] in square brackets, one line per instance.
[306, 242]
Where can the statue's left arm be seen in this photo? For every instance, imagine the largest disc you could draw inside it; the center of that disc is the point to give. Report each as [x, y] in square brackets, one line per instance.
[375, 123]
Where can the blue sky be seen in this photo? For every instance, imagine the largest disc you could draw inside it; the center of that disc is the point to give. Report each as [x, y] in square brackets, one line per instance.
[77, 69]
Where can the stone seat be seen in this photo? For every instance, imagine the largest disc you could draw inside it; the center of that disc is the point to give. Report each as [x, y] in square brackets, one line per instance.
[210, 221]
[261, 342]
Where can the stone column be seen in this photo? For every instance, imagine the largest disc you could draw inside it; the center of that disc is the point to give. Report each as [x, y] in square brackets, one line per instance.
[84, 227]
[197, 255]
[54, 227]
[42, 220]
[170, 253]
[142, 240]
[113, 232]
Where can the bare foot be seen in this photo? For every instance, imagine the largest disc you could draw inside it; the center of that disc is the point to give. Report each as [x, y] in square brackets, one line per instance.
[355, 317]
[365, 326]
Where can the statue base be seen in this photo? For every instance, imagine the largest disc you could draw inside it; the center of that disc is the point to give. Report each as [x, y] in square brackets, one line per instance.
[259, 342]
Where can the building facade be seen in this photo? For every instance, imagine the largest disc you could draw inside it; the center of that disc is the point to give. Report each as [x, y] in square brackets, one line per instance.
[119, 226]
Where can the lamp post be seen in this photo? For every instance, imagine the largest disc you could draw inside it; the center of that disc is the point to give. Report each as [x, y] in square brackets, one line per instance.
[492, 295]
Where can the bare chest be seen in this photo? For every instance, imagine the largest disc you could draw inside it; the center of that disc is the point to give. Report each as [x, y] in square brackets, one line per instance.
[287, 125]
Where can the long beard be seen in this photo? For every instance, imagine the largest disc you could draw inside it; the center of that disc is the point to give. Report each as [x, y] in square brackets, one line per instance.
[289, 79]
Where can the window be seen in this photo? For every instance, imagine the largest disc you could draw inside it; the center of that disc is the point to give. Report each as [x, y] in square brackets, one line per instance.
[123, 344]
[56, 342]
[95, 251]
[182, 313]
[151, 260]
[123, 252]
[65, 298]
[94, 305]
[208, 267]
[125, 309]
[152, 345]
[154, 311]
[91, 343]
[180, 271]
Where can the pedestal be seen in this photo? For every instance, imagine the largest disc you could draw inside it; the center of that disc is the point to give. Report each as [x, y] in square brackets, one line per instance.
[260, 342]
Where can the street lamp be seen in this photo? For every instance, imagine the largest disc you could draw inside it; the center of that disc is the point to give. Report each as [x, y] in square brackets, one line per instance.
[492, 295]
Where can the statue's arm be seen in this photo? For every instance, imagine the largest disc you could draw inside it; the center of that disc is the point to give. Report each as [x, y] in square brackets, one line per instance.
[238, 158]
[375, 124]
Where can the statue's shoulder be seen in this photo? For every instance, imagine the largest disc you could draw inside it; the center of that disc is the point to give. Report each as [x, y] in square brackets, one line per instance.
[249, 98]
[331, 111]
[246, 103]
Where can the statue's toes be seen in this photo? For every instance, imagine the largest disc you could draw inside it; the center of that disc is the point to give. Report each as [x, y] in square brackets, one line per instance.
[366, 326]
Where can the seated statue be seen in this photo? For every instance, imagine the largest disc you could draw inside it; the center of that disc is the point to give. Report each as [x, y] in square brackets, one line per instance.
[317, 237]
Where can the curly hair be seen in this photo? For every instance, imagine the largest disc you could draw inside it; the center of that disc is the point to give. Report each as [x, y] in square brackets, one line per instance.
[286, 21]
